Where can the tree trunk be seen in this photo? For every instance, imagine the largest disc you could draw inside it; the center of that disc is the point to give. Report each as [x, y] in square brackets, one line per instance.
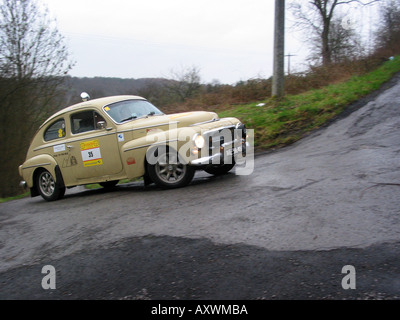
[326, 50]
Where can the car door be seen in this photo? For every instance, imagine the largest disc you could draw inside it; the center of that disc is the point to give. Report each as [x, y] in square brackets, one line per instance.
[92, 150]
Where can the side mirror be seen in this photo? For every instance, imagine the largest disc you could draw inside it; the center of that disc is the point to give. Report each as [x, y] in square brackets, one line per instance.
[101, 125]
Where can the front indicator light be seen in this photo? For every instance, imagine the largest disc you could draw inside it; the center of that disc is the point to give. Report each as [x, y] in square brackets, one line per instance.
[195, 151]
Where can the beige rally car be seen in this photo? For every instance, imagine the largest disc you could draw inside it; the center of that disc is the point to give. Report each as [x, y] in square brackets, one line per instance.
[123, 137]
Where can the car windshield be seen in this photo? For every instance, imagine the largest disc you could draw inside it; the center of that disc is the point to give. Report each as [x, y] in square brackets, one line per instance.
[131, 109]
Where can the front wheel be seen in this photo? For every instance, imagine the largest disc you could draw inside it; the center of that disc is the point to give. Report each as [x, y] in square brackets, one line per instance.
[168, 172]
[47, 186]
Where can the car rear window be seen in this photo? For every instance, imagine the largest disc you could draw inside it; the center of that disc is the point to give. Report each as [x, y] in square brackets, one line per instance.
[55, 131]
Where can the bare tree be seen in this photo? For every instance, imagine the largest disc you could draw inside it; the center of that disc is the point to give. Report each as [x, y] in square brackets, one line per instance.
[344, 43]
[388, 32]
[33, 63]
[31, 46]
[318, 17]
[186, 82]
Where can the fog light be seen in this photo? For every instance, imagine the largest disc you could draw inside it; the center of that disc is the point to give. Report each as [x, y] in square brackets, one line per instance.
[195, 151]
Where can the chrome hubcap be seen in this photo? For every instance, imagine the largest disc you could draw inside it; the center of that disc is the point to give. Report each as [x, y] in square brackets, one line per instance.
[169, 169]
[47, 184]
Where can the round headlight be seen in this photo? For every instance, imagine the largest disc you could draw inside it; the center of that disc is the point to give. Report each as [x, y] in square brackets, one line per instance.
[199, 141]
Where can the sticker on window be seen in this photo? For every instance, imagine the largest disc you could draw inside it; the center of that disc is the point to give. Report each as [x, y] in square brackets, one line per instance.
[91, 155]
[61, 133]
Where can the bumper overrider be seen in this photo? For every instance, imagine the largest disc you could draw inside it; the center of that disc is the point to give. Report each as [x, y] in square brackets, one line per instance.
[23, 184]
[224, 145]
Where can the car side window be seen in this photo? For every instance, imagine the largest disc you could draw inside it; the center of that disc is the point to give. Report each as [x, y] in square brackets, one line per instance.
[55, 131]
[85, 121]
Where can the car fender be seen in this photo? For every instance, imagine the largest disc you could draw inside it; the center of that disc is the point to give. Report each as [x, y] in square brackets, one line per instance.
[133, 153]
[28, 168]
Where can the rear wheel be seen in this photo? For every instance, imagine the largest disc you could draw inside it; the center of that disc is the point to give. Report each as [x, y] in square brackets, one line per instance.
[48, 187]
[168, 172]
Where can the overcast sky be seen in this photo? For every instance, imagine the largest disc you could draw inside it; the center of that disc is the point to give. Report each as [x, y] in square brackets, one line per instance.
[228, 40]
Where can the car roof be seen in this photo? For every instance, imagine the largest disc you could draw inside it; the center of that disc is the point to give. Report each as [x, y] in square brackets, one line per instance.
[96, 103]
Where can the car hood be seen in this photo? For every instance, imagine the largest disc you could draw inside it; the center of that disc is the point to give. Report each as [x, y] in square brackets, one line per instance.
[193, 118]
[196, 118]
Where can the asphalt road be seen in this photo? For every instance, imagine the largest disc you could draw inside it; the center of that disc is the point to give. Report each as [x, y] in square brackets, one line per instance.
[283, 232]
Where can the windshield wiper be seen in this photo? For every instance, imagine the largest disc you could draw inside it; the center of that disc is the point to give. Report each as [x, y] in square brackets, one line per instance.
[130, 118]
[136, 117]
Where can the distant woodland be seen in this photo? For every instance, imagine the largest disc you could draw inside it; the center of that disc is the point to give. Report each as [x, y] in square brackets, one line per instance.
[101, 87]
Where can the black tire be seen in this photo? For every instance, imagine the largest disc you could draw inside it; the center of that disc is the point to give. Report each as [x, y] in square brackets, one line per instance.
[169, 172]
[109, 184]
[47, 186]
[220, 169]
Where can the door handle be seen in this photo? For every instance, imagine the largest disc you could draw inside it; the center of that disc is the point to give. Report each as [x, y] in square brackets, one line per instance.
[70, 147]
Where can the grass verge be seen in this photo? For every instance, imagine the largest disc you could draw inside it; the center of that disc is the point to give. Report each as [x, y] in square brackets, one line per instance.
[14, 198]
[280, 122]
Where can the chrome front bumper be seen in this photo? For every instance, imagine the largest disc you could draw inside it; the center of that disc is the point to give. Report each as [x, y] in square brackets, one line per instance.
[217, 158]
[207, 160]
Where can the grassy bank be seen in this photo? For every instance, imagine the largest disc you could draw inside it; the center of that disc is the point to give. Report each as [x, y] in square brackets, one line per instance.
[14, 198]
[281, 122]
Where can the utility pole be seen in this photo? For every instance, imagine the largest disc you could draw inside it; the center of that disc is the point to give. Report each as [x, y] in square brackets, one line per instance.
[279, 50]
